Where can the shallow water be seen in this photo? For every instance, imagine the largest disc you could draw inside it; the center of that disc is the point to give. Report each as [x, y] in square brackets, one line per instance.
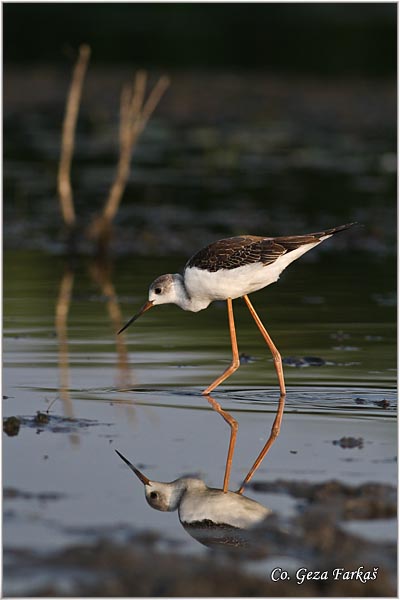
[141, 393]
[261, 155]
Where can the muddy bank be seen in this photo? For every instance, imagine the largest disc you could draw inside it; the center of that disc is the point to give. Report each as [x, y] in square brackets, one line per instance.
[326, 559]
[108, 569]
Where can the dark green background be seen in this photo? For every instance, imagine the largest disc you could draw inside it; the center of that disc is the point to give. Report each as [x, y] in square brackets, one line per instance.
[329, 39]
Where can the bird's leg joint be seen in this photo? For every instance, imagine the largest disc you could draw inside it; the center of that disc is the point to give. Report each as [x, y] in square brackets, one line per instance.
[275, 431]
[235, 363]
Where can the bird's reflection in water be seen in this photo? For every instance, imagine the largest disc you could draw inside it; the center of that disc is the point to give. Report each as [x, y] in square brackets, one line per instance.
[275, 429]
[211, 516]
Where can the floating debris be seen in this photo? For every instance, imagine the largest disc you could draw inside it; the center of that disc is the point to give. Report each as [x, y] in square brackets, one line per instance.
[11, 493]
[11, 425]
[304, 361]
[55, 424]
[360, 401]
[315, 361]
[42, 418]
[245, 359]
[381, 403]
[349, 442]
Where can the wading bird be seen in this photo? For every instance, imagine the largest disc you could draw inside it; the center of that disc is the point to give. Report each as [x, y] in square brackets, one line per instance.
[232, 268]
[210, 515]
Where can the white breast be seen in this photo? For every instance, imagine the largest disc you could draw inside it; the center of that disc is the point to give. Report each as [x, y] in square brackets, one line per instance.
[233, 283]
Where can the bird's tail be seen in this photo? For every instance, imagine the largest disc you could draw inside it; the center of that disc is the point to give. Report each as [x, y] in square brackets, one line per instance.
[334, 230]
[294, 241]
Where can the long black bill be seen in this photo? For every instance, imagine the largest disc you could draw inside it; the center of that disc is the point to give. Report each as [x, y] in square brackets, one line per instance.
[142, 477]
[145, 307]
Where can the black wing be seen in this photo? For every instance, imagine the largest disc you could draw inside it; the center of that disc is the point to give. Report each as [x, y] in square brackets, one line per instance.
[234, 252]
[231, 253]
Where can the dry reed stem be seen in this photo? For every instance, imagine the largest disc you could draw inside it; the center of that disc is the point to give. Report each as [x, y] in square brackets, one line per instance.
[124, 115]
[68, 136]
[139, 91]
[134, 115]
[154, 98]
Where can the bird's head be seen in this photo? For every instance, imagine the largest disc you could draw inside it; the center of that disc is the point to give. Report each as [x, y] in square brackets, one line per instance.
[166, 289]
[161, 496]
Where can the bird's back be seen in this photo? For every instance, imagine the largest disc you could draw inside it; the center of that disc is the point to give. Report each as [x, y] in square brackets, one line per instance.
[234, 252]
[233, 267]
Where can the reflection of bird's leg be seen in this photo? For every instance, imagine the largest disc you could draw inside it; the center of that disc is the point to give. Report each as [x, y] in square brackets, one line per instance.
[276, 427]
[232, 442]
[275, 353]
[235, 353]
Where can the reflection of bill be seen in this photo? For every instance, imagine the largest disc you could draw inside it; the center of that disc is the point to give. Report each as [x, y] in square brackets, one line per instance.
[210, 515]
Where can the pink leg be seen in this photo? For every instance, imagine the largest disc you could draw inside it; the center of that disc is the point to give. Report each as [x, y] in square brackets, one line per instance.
[275, 353]
[276, 427]
[235, 353]
[232, 442]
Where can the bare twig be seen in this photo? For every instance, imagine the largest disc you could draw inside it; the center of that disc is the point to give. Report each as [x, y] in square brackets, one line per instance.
[154, 98]
[68, 136]
[124, 115]
[133, 122]
[134, 115]
[139, 91]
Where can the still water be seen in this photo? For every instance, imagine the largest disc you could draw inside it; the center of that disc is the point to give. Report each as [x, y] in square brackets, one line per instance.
[224, 154]
[140, 393]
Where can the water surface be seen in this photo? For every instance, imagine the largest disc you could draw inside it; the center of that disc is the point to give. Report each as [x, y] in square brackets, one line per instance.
[260, 155]
[141, 393]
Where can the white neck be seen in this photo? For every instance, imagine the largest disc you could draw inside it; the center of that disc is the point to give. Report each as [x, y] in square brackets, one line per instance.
[175, 490]
[182, 298]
